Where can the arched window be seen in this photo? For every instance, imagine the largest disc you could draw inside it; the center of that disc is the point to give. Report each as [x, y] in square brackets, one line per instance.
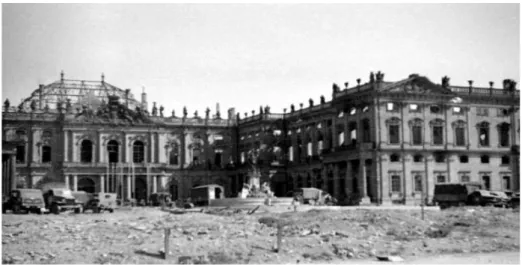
[291, 153]
[503, 134]
[86, 151]
[416, 131]
[352, 127]
[138, 152]
[174, 155]
[113, 150]
[46, 154]
[437, 127]
[483, 130]
[319, 143]
[393, 125]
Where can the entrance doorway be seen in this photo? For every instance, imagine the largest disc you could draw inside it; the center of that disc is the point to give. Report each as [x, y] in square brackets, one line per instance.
[173, 189]
[87, 185]
[141, 189]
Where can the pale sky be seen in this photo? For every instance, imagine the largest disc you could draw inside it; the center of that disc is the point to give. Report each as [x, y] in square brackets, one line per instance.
[248, 55]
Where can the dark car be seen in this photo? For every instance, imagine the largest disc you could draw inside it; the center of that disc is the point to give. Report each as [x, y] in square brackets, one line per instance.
[28, 200]
[485, 198]
[157, 199]
[514, 201]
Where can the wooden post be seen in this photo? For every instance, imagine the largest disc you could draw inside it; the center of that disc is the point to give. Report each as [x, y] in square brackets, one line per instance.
[279, 236]
[166, 249]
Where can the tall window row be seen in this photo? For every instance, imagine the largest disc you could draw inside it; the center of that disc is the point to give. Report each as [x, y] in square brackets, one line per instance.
[437, 132]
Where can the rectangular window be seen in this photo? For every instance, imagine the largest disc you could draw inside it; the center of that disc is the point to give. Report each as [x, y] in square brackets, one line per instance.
[486, 182]
[391, 107]
[414, 108]
[396, 183]
[417, 135]
[394, 134]
[195, 155]
[418, 183]
[460, 136]
[504, 135]
[438, 135]
[506, 183]
[464, 178]
[20, 154]
[46, 154]
[441, 179]
[482, 112]
[457, 110]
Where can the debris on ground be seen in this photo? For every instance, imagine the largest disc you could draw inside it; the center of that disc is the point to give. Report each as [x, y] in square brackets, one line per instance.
[313, 236]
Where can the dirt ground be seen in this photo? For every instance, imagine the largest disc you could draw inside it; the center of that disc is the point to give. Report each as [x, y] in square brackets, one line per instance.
[136, 235]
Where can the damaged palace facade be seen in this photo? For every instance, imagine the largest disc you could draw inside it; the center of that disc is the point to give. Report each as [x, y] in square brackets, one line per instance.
[381, 142]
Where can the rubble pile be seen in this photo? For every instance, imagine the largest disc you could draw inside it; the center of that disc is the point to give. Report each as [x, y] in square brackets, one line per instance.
[231, 236]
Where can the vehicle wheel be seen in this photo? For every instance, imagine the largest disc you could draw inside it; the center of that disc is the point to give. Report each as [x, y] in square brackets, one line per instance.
[78, 210]
[55, 209]
[474, 200]
[111, 210]
[16, 209]
[38, 211]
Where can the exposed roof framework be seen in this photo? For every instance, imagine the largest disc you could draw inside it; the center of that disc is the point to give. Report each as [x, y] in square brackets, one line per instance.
[79, 93]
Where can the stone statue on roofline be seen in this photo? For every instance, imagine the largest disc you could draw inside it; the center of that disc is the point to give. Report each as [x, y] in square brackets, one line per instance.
[267, 109]
[292, 108]
[46, 108]
[185, 112]
[7, 104]
[260, 109]
[335, 88]
[445, 81]
[173, 114]
[196, 114]
[207, 113]
[21, 107]
[161, 110]
[311, 102]
[372, 77]
[154, 109]
[322, 100]
[33, 105]
[379, 76]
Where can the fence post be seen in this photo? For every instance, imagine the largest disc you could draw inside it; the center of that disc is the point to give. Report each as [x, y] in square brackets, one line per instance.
[167, 239]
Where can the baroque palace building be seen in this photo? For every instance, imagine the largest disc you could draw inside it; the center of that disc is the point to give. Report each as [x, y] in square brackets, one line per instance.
[378, 142]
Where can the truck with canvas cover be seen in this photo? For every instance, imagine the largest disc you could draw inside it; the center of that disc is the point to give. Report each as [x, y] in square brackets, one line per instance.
[201, 195]
[454, 194]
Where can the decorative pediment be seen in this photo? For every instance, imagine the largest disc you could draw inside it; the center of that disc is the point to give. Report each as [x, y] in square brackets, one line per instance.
[416, 122]
[437, 122]
[86, 136]
[393, 120]
[142, 138]
[458, 124]
[416, 84]
[116, 137]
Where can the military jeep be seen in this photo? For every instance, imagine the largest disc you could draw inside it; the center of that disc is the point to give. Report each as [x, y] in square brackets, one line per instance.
[61, 199]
